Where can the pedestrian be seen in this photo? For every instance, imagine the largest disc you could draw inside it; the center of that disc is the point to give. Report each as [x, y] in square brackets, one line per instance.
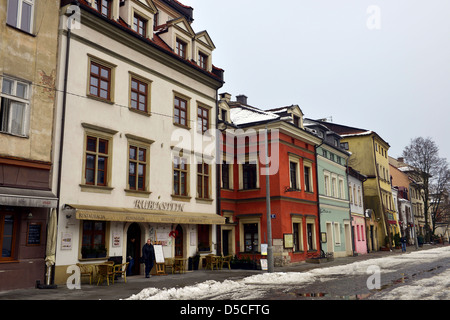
[131, 252]
[148, 255]
[403, 241]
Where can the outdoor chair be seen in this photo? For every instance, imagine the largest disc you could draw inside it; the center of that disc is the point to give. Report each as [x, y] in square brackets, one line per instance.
[105, 271]
[169, 263]
[120, 269]
[212, 261]
[86, 270]
[226, 260]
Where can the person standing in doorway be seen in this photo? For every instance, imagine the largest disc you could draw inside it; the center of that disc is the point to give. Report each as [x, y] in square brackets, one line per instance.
[131, 252]
[148, 255]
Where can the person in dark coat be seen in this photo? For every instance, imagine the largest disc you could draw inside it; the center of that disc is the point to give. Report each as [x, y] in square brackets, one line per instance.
[148, 255]
[403, 241]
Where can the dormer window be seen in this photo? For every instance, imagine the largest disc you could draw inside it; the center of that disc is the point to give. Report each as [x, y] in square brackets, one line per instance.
[103, 6]
[203, 60]
[181, 48]
[296, 121]
[140, 25]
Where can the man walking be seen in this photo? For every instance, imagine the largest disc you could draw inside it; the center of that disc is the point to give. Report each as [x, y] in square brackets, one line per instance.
[148, 255]
[403, 241]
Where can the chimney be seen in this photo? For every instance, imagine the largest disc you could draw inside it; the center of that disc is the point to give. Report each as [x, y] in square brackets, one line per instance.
[225, 96]
[401, 159]
[241, 99]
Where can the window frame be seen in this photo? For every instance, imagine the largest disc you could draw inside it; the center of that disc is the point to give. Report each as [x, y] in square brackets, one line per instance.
[181, 98]
[12, 98]
[99, 5]
[14, 236]
[137, 27]
[19, 17]
[181, 171]
[181, 48]
[204, 188]
[203, 60]
[92, 234]
[137, 162]
[201, 117]
[111, 82]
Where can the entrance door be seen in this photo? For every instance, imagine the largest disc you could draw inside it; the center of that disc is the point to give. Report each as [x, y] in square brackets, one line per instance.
[225, 242]
[134, 247]
[179, 252]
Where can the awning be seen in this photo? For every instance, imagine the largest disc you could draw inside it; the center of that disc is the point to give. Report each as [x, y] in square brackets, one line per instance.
[17, 197]
[84, 212]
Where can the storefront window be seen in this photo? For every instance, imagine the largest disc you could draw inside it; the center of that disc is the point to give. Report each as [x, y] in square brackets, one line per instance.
[93, 240]
[251, 237]
[203, 238]
[7, 236]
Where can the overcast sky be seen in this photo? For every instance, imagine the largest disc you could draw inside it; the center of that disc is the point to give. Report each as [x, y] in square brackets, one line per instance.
[378, 65]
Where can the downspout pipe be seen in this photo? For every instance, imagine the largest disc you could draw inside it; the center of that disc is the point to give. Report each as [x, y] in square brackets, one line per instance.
[317, 192]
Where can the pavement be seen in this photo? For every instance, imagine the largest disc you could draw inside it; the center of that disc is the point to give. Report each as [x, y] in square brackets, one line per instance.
[135, 284]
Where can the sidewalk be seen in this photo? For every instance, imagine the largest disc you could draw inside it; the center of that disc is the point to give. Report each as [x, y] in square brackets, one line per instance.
[136, 284]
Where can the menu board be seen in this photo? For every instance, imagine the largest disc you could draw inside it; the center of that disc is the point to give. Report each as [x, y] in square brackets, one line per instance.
[159, 256]
[34, 234]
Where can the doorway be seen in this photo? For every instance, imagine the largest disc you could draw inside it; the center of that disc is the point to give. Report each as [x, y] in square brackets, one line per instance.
[226, 242]
[134, 247]
[179, 252]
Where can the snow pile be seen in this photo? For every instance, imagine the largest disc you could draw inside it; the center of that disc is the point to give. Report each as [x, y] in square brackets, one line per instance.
[254, 287]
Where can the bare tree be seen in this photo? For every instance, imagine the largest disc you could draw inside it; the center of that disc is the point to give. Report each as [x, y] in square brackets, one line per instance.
[422, 155]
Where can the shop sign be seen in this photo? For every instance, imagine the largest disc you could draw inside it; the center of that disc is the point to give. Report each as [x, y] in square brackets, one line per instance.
[155, 205]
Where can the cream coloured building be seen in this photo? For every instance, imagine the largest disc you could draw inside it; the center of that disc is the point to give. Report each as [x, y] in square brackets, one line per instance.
[137, 161]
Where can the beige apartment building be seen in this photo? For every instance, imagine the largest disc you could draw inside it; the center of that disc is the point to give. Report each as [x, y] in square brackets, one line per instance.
[134, 114]
[28, 60]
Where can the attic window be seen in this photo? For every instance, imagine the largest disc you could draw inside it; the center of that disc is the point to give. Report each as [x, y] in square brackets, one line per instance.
[140, 25]
[203, 60]
[296, 121]
[103, 6]
[181, 48]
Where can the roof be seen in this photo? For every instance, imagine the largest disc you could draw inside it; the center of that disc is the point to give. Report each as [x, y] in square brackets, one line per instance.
[156, 41]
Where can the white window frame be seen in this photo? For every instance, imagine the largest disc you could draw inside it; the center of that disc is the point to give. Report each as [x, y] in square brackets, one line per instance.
[18, 24]
[13, 98]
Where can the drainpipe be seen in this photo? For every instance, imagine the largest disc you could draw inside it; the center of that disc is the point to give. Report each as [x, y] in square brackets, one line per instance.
[218, 153]
[318, 195]
[350, 210]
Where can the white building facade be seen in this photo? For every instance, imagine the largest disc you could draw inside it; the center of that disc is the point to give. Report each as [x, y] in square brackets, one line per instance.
[139, 82]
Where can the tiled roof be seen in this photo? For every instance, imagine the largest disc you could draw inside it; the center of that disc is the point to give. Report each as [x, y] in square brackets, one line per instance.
[156, 41]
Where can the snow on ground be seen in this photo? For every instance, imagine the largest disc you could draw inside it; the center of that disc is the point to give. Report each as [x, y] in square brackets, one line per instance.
[254, 287]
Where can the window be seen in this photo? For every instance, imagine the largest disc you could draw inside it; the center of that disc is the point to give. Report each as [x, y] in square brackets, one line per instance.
[137, 168]
[223, 114]
[297, 228]
[100, 81]
[20, 14]
[249, 176]
[296, 120]
[308, 179]
[327, 186]
[180, 111]
[8, 226]
[225, 176]
[204, 238]
[96, 166]
[337, 233]
[203, 172]
[334, 187]
[341, 188]
[293, 174]
[14, 107]
[103, 6]
[203, 119]
[251, 237]
[140, 25]
[203, 60]
[94, 235]
[180, 176]
[139, 95]
[310, 236]
[181, 49]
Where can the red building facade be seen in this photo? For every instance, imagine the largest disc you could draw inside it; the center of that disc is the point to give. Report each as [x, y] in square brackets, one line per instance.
[293, 182]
